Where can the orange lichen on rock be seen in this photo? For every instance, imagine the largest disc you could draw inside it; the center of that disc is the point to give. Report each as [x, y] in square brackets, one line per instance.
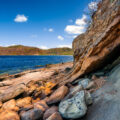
[47, 88]
[24, 101]
[9, 115]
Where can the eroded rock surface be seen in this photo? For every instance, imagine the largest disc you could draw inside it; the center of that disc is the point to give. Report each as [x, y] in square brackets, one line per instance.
[100, 45]
[10, 105]
[58, 95]
[55, 116]
[49, 112]
[9, 115]
[24, 101]
[95, 49]
[106, 104]
[32, 114]
[12, 92]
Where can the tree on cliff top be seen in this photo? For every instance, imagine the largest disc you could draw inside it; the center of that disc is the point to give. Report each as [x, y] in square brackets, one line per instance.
[90, 11]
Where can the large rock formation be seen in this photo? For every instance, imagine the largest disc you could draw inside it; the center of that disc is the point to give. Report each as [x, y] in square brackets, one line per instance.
[100, 45]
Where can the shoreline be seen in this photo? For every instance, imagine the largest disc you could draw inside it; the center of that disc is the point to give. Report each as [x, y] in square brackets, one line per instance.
[29, 62]
[38, 67]
[64, 65]
[36, 55]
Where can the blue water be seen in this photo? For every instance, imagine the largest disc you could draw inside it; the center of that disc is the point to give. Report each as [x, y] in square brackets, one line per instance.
[16, 64]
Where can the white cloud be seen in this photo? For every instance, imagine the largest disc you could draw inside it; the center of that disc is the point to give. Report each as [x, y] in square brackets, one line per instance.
[43, 47]
[74, 29]
[9, 45]
[93, 5]
[78, 28]
[60, 37]
[74, 36]
[81, 21]
[62, 46]
[50, 30]
[21, 18]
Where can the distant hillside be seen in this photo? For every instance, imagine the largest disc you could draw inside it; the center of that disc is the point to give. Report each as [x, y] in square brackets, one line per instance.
[26, 50]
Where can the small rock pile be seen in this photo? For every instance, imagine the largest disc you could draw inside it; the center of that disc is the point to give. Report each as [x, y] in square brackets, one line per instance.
[61, 103]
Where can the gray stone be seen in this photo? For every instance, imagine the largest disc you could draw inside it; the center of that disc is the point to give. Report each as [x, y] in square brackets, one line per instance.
[73, 108]
[84, 82]
[73, 91]
[88, 98]
[90, 85]
[33, 114]
[106, 99]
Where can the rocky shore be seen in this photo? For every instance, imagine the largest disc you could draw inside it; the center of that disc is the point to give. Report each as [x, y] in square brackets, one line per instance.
[34, 94]
[87, 89]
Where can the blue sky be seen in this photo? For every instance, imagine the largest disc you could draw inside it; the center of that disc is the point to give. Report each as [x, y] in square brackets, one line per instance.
[41, 23]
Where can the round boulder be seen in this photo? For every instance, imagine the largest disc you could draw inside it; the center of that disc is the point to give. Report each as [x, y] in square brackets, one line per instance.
[75, 107]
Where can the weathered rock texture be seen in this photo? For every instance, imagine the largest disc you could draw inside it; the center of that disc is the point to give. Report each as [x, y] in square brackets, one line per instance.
[31, 82]
[106, 104]
[100, 44]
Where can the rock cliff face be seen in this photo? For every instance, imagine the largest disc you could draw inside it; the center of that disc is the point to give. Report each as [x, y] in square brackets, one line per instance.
[100, 45]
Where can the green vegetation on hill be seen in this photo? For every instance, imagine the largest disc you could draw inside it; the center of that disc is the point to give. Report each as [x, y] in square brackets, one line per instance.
[26, 50]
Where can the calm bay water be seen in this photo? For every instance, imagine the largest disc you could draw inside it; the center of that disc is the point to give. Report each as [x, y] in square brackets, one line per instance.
[15, 64]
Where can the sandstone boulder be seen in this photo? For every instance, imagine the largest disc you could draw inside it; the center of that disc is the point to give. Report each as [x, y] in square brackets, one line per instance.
[10, 105]
[9, 115]
[33, 114]
[41, 105]
[58, 95]
[12, 92]
[73, 91]
[24, 101]
[49, 112]
[26, 107]
[55, 116]
[36, 112]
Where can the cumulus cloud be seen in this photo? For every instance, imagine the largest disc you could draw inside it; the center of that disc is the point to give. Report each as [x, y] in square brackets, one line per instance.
[80, 24]
[78, 28]
[74, 36]
[92, 5]
[81, 21]
[60, 37]
[21, 18]
[62, 46]
[50, 30]
[43, 47]
[74, 29]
